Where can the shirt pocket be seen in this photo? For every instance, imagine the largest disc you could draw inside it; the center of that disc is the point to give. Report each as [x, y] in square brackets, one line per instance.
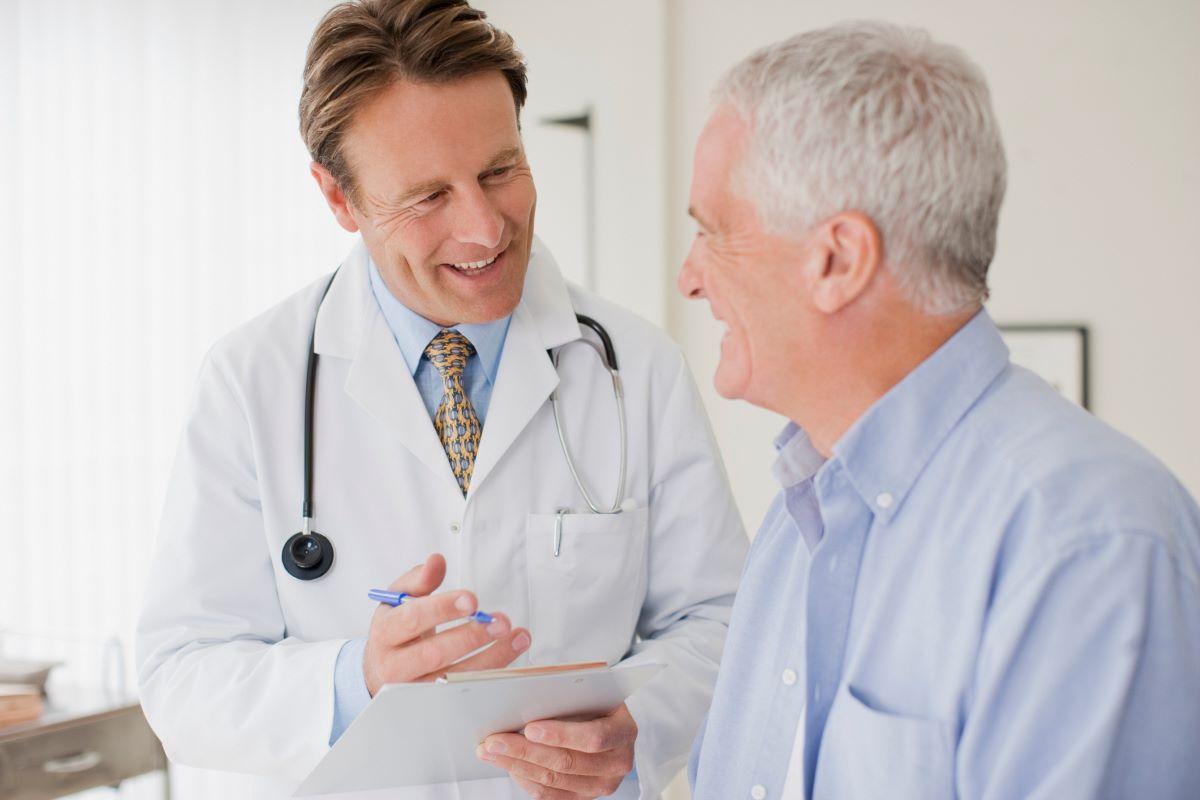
[869, 753]
[584, 603]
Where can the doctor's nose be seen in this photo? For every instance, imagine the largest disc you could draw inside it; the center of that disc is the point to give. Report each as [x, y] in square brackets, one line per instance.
[478, 221]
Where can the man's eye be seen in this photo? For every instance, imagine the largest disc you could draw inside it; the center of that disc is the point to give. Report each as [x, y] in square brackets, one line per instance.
[432, 197]
[498, 171]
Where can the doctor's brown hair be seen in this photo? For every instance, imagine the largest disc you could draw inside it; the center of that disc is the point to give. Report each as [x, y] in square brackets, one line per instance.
[363, 46]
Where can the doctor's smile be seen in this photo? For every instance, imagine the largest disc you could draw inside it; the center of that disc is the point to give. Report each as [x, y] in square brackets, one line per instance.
[475, 268]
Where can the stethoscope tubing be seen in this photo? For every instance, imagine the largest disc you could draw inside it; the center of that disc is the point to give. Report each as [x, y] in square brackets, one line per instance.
[310, 399]
[608, 357]
[619, 395]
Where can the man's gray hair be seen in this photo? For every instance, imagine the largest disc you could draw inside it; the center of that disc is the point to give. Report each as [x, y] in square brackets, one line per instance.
[872, 117]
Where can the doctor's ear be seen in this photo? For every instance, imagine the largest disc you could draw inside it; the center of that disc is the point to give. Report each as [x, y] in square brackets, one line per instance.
[845, 256]
[338, 202]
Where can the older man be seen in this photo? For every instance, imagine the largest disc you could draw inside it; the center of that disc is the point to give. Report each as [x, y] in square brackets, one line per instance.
[435, 443]
[967, 587]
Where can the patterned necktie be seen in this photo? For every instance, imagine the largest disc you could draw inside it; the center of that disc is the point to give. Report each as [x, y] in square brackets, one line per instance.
[455, 420]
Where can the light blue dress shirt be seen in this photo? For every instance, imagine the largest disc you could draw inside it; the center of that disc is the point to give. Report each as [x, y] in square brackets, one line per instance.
[984, 592]
[412, 333]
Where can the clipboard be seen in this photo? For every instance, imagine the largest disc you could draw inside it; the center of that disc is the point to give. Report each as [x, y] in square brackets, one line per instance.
[415, 734]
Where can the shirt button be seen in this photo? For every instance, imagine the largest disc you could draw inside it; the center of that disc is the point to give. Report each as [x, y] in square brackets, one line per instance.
[789, 677]
[884, 499]
[454, 528]
[758, 792]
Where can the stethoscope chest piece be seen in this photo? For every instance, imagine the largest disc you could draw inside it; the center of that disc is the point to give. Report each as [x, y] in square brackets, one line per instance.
[307, 555]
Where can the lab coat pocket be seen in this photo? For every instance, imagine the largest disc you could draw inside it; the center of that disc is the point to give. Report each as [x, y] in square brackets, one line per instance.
[584, 602]
[870, 753]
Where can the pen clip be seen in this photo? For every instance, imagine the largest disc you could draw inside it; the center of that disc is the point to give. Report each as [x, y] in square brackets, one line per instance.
[558, 526]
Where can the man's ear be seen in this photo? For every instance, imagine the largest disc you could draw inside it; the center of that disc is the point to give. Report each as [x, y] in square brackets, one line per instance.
[848, 254]
[339, 204]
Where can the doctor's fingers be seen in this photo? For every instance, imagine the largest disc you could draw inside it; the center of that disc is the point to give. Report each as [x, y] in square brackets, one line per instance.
[505, 748]
[428, 658]
[613, 731]
[420, 615]
[422, 579]
[559, 786]
[539, 792]
[502, 653]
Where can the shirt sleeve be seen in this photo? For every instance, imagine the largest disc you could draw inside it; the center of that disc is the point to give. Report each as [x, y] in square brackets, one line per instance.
[1088, 678]
[350, 695]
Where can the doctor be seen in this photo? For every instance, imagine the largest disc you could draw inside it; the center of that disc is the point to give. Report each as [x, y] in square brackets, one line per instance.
[435, 444]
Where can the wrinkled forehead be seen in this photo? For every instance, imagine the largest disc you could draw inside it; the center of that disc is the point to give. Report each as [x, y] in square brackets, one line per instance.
[718, 197]
[721, 142]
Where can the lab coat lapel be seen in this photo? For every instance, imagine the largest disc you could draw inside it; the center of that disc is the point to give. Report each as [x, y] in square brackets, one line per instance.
[543, 320]
[380, 381]
[351, 326]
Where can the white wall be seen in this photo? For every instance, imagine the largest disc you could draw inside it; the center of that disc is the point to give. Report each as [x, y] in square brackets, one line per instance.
[155, 195]
[143, 225]
[1098, 105]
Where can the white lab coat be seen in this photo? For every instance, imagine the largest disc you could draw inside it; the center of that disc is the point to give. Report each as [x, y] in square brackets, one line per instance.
[236, 657]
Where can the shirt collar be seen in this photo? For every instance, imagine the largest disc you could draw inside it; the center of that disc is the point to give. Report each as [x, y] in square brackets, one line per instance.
[887, 448]
[797, 459]
[413, 332]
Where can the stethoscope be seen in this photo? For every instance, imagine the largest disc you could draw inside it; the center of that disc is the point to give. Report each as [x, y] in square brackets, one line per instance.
[307, 555]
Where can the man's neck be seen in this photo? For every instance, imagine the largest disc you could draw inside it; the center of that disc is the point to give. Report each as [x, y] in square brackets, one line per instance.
[854, 377]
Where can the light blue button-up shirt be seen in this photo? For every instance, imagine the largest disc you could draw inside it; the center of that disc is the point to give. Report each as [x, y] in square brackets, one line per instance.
[984, 592]
[412, 333]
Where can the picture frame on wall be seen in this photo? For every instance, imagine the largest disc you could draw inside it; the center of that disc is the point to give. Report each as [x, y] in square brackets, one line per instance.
[1059, 353]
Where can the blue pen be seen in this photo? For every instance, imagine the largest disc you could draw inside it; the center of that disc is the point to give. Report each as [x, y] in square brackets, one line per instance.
[398, 598]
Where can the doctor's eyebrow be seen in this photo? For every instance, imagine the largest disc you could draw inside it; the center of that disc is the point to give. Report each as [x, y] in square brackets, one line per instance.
[426, 188]
[421, 190]
[503, 157]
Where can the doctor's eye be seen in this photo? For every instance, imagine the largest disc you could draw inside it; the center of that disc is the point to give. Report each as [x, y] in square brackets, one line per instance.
[428, 200]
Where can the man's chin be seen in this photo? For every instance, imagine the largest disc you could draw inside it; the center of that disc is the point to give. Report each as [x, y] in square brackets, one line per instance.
[729, 384]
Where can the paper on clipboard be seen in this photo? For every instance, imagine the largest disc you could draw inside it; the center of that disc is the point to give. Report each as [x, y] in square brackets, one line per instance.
[415, 734]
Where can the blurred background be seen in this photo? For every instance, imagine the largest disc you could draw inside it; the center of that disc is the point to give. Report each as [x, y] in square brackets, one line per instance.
[154, 193]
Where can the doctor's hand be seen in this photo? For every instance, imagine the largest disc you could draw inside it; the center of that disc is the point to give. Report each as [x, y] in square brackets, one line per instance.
[563, 760]
[402, 645]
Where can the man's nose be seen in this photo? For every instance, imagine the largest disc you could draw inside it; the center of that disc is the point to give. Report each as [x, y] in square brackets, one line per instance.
[478, 221]
[689, 283]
